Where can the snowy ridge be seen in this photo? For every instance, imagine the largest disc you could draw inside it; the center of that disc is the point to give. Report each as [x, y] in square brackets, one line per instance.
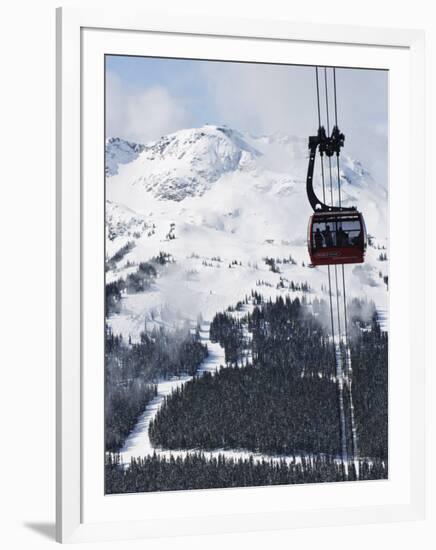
[119, 151]
[186, 163]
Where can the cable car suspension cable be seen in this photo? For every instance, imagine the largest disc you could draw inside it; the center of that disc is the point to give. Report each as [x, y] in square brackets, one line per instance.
[328, 133]
[330, 145]
[332, 201]
[319, 125]
[336, 123]
[323, 192]
[340, 204]
[347, 355]
[340, 360]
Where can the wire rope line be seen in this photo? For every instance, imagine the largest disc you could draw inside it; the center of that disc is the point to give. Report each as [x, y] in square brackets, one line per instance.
[334, 92]
[340, 204]
[323, 191]
[331, 196]
[336, 123]
[339, 181]
[337, 302]
[341, 351]
[328, 132]
[331, 308]
[346, 349]
[319, 125]
[344, 293]
[345, 304]
[317, 96]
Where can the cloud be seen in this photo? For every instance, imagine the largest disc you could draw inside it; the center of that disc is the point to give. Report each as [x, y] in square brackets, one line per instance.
[141, 115]
[262, 98]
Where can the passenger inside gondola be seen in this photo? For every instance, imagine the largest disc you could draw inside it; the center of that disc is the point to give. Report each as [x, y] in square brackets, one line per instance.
[358, 240]
[334, 234]
[328, 237]
[318, 238]
[342, 237]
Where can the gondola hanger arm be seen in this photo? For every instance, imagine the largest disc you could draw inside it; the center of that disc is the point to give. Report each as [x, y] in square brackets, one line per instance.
[329, 146]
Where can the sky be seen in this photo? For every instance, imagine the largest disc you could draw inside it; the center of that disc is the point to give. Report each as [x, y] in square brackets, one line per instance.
[150, 97]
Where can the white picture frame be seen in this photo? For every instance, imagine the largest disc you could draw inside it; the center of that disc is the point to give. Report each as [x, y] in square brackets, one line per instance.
[75, 428]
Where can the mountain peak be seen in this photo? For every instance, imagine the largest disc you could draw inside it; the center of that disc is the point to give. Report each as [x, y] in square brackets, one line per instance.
[182, 164]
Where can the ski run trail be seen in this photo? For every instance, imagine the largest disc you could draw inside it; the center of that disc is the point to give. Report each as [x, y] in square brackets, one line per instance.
[138, 442]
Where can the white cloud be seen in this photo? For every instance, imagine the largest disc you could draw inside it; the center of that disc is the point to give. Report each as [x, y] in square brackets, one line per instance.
[263, 98]
[141, 115]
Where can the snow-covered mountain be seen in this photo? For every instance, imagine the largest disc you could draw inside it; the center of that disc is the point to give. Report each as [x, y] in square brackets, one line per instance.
[220, 202]
[183, 164]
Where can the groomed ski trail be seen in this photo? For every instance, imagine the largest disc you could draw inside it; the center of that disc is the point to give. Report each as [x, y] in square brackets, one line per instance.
[138, 442]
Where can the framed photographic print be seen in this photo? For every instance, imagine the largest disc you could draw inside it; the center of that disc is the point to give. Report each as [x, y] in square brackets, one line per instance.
[239, 309]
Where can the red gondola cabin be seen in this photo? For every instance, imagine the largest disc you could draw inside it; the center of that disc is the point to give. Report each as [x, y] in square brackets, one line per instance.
[336, 238]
